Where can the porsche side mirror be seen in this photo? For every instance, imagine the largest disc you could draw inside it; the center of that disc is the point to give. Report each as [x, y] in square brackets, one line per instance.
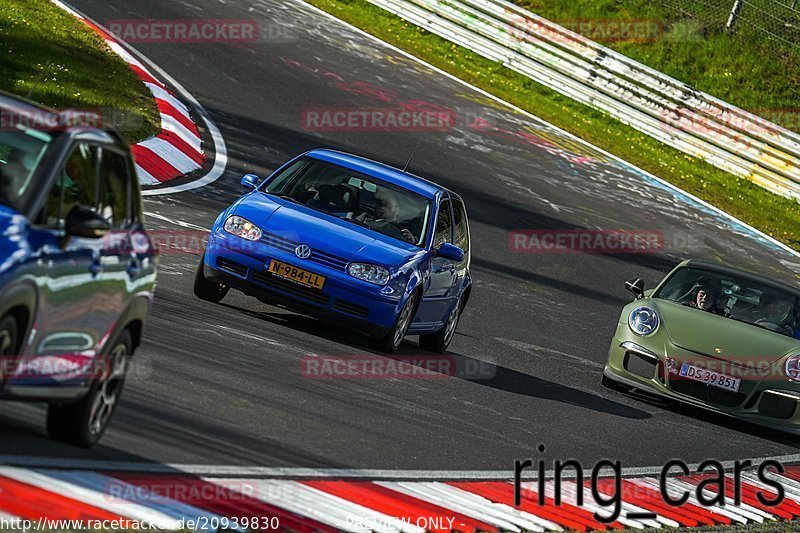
[450, 251]
[249, 181]
[636, 286]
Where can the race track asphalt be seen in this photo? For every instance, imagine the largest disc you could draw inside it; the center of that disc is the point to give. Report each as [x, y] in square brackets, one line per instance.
[221, 384]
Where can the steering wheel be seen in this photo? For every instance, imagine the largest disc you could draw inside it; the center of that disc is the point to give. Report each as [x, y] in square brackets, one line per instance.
[384, 221]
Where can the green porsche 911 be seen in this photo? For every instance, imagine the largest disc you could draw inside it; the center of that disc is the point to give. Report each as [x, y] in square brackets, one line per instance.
[713, 337]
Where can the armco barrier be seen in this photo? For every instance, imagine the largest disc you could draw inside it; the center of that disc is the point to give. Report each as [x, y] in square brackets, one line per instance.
[678, 115]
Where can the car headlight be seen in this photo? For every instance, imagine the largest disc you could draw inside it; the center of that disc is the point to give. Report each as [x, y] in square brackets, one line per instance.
[242, 227]
[643, 320]
[792, 367]
[374, 274]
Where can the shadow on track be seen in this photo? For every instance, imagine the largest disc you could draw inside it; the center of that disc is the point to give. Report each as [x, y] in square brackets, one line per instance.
[496, 377]
[712, 418]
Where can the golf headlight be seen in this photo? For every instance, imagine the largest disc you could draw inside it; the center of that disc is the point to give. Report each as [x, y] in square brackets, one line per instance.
[374, 274]
[792, 367]
[243, 228]
[643, 320]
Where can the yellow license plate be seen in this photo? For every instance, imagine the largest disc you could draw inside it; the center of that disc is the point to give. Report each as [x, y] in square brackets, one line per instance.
[298, 275]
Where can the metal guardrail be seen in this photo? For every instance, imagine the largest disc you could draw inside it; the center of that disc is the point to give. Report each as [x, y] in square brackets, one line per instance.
[696, 123]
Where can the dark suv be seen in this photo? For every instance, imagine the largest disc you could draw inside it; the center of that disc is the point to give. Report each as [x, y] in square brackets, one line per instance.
[77, 269]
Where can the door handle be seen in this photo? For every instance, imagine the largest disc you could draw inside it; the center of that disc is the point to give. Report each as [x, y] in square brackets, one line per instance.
[439, 269]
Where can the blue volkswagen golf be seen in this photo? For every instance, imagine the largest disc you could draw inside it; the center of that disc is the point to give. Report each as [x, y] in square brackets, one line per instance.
[350, 240]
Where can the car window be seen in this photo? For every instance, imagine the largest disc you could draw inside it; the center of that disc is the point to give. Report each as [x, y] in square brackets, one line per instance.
[78, 178]
[74, 185]
[20, 154]
[113, 196]
[444, 225]
[460, 225]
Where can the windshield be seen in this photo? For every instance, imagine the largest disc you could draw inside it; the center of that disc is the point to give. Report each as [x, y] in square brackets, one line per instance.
[20, 154]
[354, 197]
[736, 298]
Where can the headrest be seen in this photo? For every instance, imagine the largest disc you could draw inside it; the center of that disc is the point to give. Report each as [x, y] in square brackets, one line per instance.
[336, 194]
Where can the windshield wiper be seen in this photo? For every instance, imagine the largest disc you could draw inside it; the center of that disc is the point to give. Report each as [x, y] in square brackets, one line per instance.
[285, 197]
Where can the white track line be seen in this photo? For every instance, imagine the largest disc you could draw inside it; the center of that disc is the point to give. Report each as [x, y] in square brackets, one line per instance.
[321, 473]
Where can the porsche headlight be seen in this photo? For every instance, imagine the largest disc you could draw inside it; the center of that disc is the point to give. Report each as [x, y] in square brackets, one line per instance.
[643, 320]
[243, 228]
[374, 274]
[792, 367]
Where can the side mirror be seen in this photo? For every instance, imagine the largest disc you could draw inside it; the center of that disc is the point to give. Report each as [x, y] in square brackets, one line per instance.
[636, 286]
[83, 221]
[249, 181]
[450, 251]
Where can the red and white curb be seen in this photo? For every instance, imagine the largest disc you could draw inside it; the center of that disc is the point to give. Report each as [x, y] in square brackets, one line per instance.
[177, 149]
[179, 500]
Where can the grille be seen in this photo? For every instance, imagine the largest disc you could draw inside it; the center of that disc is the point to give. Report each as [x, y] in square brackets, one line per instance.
[777, 406]
[232, 266]
[288, 246]
[295, 289]
[706, 393]
[350, 308]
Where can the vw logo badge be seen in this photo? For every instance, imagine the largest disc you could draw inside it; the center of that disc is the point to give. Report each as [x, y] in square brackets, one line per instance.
[302, 251]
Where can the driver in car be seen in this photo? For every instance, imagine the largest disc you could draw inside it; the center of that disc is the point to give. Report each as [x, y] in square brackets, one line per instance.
[704, 299]
[387, 210]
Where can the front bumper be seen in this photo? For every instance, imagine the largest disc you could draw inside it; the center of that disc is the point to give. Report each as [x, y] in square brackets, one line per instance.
[763, 399]
[342, 300]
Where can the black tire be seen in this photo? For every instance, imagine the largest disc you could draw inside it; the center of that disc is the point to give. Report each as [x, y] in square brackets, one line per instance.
[208, 290]
[8, 339]
[438, 342]
[391, 341]
[83, 423]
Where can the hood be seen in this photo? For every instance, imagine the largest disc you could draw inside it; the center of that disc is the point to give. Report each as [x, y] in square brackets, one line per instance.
[706, 333]
[324, 232]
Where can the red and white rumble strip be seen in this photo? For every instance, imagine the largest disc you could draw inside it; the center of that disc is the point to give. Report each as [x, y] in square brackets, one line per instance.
[34, 496]
[177, 150]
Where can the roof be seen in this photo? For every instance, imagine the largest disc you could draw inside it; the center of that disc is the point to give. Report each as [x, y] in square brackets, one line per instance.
[13, 104]
[378, 170]
[724, 269]
[28, 113]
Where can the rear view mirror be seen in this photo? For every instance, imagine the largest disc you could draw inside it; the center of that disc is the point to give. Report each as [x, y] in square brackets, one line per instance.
[636, 286]
[451, 252]
[249, 181]
[83, 221]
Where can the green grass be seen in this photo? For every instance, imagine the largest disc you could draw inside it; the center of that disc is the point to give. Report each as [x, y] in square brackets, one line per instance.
[772, 214]
[745, 67]
[48, 56]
